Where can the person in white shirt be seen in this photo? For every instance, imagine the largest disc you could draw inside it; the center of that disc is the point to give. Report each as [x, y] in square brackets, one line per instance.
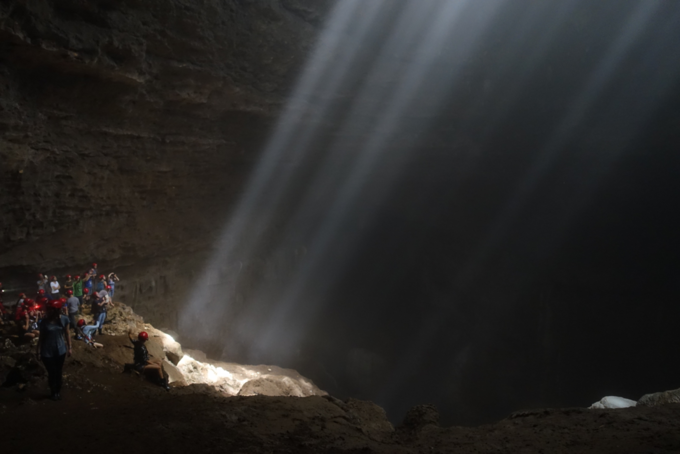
[54, 286]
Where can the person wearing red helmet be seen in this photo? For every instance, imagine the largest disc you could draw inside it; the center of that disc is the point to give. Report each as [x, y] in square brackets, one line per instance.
[101, 283]
[88, 280]
[72, 306]
[88, 340]
[53, 294]
[142, 362]
[27, 318]
[68, 285]
[54, 344]
[20, 302]
[113, 278]
[20, 313]
[102, 304]
[88, 299]
[43, 283]
[78, 290]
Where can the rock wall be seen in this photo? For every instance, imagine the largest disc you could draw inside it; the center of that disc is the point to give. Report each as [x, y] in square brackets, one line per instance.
[127, 128]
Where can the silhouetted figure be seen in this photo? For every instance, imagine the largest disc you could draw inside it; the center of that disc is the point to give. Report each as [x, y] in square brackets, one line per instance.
[54, 344]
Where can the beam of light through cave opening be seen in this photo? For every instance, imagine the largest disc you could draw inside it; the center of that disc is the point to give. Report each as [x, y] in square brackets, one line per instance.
[417, 77]
[637, 23]
[406, 33]
[288, 143]
[631, 31]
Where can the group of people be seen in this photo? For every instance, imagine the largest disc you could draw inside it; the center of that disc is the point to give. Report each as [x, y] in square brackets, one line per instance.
[78, 285]
[56, 311]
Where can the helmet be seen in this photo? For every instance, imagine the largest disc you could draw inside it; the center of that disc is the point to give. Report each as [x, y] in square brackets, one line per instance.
[77, 276]
[102, 277]
[29, 301]
[94, 265]
[81, 322]
[143, 336]
[54, 278]
[22, 295]
[108, 287]
[41, 292]
[62, 300]
[42, 300]
[56, 304]
[69, 292]
[86, 291]
[68, 276]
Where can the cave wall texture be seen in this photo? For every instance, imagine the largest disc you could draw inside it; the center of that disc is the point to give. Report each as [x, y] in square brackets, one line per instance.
[128, 131]
[127, 127]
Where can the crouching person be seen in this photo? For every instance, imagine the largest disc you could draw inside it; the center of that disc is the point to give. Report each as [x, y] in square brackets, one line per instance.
[145, 365]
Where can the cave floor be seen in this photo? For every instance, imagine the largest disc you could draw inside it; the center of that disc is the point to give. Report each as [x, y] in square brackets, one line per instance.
[110, 411]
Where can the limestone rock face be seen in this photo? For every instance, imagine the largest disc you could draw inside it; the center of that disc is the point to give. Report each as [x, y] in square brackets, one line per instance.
[127, 127]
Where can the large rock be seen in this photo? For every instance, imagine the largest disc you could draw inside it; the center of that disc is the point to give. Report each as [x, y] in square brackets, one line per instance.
[666, 397]
[272, 386]
[613, 402]
[174, 374]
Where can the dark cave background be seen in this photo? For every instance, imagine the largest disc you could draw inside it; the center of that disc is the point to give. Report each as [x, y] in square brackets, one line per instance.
[455, 290]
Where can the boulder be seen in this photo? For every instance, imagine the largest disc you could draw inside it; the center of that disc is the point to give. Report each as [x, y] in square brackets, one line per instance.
[269, 385]
[665, 397]
[421, 416]
[371, 417]
[174, 374]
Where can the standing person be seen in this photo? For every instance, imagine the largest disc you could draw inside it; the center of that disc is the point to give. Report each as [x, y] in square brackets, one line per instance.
[103, 303]
[43, 283]
[113, 278]
[142, 363]
[101, 283]
[54, 288]
[20, 302]
[73, 304]
[68, 285]
[54, 344]
[78, 290]
[87, 280]
[93, 270]
[88, 300]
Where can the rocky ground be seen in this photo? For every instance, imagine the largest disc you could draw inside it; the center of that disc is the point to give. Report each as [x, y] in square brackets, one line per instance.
[121, 412]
